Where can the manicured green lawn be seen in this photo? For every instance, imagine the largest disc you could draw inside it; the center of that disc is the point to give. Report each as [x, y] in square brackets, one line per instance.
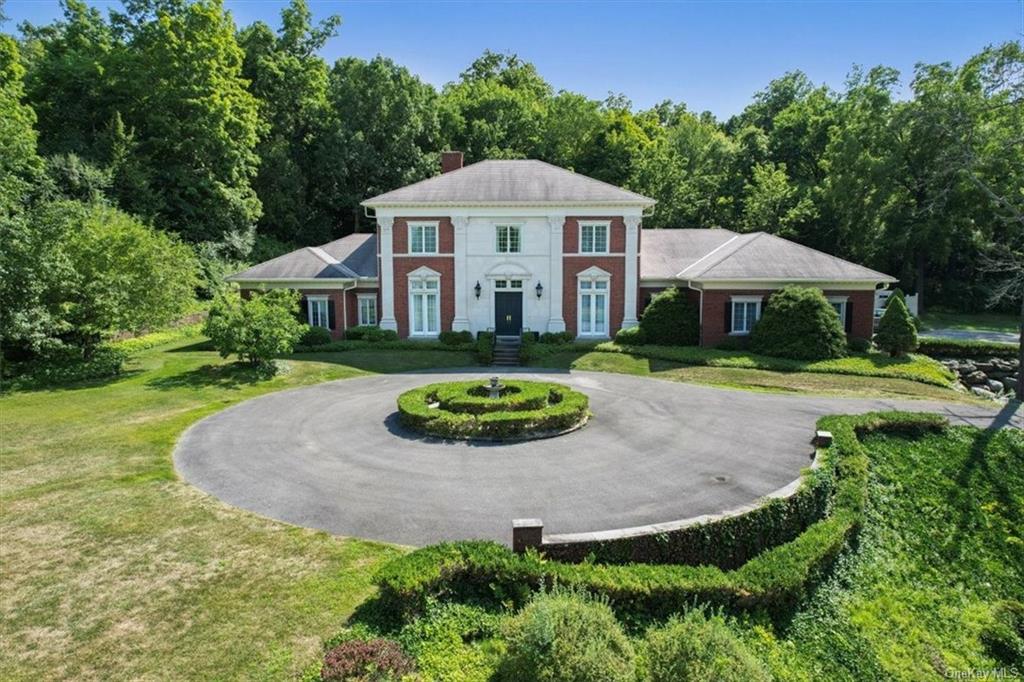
[113, 568]
[992, 322]
[752, 379]
[942, 546]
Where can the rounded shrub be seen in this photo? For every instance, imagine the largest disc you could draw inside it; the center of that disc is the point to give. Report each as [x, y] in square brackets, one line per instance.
[896, 334]
[463, 410]
[801, 324]
[634, 336]
[671, 320]
[695, 647]
[563, 636]
[315, 336]
[375, 660]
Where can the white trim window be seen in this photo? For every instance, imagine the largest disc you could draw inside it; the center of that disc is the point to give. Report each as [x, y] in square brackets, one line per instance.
[424, 306]
[746, 310]
[594, 237]
[839, 304]
[508, 239]
[423, 238]
[367, 311]
[593, 306]
[318, 312]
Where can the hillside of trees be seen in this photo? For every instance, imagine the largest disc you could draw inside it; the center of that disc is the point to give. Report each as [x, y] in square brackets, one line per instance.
[242, 142]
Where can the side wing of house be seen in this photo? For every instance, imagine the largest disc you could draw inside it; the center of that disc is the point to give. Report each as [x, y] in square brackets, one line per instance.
[730, 277]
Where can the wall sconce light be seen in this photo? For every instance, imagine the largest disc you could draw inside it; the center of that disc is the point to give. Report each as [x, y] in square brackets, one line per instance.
[540, 289]
[476, 289]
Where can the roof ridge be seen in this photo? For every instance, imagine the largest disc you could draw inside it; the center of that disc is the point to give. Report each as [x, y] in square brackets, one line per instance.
[432, 177]
[606, 184]
[679, 275]
[331, 261]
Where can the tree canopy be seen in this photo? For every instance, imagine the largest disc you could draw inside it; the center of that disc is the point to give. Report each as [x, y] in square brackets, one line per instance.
[239, 136]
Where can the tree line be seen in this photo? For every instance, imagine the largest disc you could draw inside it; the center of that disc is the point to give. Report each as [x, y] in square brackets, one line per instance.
[243, 143]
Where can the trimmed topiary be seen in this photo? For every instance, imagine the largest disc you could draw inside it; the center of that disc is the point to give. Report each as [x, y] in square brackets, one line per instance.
[896, 334]
[801, 324]
[375, 660]
[671, 320]
[463, 410]
[696, 648]
[315, 336]
[566, 636]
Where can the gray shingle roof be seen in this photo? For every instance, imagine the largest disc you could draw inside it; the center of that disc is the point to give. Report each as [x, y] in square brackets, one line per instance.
[754, 256]
[508, 182]
[663, 253]
[346, 258]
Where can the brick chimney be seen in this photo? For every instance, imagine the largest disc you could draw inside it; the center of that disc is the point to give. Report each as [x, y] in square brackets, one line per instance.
[451, 161]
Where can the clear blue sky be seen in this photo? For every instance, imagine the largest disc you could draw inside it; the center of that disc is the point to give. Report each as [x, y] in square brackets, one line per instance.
[710, 55]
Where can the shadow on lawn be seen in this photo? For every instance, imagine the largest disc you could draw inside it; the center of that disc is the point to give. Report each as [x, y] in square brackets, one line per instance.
[231, 376]
[977, 464]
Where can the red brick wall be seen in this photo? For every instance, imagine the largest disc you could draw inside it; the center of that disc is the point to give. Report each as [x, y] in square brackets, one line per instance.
[573, 265]
[336, 295]
[443, 265]
[445, 233]
[616, 236]
[353, 304]
[714, 332]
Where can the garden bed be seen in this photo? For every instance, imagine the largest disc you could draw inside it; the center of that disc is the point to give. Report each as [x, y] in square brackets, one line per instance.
[523, 410]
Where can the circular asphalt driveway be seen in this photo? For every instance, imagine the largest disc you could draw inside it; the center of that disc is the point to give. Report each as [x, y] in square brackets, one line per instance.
[333, 457]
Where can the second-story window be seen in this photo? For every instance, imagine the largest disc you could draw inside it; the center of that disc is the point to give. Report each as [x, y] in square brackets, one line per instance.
[509, 239]
[594, 238]
[422, 238]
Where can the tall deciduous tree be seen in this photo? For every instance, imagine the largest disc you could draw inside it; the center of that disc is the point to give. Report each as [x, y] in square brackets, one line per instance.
[384, 133]
[289, 80]
[195, 123]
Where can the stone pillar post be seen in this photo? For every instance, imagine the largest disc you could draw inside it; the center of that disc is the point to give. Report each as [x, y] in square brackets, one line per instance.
[527, 533]
[387, 273]
[461, 321]
[556, 323]
[632, 276]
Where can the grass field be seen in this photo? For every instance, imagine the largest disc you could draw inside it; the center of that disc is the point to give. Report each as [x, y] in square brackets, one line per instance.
[752, 379]
[115, 569]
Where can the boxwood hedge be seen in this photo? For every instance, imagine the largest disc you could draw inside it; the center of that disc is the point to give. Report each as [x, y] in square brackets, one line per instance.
[975, 350]
[461, 410]
[772, 583]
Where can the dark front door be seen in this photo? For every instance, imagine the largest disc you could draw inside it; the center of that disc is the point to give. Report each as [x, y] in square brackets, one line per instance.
[508, 313]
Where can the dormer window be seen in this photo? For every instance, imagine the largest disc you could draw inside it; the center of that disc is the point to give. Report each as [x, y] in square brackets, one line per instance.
[594, 237]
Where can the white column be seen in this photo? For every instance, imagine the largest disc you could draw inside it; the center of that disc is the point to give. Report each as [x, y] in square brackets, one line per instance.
[461, 321]
[632, 277]
[387, 274]
[556, 323]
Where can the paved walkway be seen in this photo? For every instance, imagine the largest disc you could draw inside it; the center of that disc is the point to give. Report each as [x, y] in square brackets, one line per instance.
[333, 457]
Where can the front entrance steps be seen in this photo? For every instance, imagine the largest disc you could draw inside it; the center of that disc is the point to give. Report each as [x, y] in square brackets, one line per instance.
[506, 351]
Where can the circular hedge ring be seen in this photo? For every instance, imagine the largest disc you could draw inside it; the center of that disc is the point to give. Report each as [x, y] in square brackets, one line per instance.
[464, 410]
